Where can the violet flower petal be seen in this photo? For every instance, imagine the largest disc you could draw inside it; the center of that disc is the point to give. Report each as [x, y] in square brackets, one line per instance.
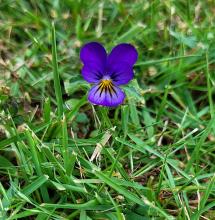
[91, 73]
[94, 52]
[104, 98]
[120, 73]
[123, 53]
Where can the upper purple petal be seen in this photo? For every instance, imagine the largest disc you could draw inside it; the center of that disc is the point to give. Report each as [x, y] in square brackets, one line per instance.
[120, 73]
[94, 52]
[91, 72]
[104, 98]
[123, 53]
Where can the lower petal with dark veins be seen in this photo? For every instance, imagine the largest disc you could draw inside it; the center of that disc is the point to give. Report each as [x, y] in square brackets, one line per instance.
[109, 95]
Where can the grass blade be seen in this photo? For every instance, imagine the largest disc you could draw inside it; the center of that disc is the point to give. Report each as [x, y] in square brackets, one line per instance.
[57, 86]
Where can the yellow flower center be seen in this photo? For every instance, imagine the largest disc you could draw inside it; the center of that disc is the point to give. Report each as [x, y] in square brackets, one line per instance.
[106, 82]
[106, 85]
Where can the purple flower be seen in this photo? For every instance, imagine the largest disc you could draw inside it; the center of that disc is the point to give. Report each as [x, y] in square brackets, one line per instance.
[107, 72]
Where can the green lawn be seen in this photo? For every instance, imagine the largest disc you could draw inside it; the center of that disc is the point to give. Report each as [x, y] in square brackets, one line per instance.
[64, 158]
